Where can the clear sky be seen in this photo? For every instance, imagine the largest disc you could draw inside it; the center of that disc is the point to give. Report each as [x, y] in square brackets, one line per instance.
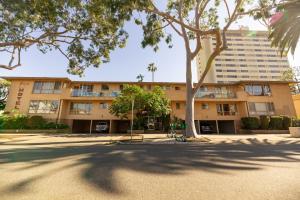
[125, 63]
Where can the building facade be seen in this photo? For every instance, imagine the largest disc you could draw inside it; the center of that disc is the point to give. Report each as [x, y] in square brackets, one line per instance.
[82, 105]
[249, 57]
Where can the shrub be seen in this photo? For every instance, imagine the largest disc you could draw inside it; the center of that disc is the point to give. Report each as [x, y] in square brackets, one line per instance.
[36, 122]
[62, 126]
[264, 122]
[295, 122]
[250, 122]
[286, 122]
[19, 121]
[276, 123]
[4, 121]
[50, 125]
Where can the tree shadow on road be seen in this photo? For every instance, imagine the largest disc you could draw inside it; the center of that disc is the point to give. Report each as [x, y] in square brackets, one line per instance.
[171, 159]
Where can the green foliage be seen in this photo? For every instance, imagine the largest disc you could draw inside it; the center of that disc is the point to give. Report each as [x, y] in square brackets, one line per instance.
[85, 32]
[140, 78]
[20, 121]
[4, 85]
[153, 103]
[251, 123]
[285, 31]
[295, 123]
[264, 122]
[36, 122]
[17, 121]
[276, 123]
[286, 122]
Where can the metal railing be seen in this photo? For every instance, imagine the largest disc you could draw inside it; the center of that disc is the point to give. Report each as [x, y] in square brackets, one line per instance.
[82, 93]
[216, 94]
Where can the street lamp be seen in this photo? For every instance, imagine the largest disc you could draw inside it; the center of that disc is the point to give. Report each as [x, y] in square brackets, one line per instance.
[132, 107]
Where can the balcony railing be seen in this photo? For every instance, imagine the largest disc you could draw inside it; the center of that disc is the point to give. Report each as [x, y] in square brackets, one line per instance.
[262, 113]
[216, 95]
[82, 93]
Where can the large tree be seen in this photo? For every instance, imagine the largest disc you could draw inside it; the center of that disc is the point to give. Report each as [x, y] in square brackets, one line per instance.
[193, 20]
[83, 31]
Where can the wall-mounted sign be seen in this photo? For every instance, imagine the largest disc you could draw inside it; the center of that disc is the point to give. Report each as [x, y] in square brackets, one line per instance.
[19, 96]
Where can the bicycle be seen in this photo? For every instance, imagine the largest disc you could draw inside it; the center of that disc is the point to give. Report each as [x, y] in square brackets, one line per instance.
[171, 134]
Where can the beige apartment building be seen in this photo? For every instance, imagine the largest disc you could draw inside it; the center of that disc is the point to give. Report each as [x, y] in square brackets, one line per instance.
[82, 105]
[249, 57]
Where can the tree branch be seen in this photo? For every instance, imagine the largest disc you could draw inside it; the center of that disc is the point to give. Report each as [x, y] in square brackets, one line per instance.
[227, 8]
[198, 36]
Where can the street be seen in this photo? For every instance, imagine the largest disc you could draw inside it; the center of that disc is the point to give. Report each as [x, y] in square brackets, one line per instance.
[232, 167]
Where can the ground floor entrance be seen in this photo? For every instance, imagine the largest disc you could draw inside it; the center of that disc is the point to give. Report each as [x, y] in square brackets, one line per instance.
[215, 126]
[100, 126]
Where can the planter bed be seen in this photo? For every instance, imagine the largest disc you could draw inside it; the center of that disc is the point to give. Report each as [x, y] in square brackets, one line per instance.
[34, 131]
[295, 131]
[244, 131]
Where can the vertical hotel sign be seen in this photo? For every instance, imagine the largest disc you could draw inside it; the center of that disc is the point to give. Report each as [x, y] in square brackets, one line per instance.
[19, 96]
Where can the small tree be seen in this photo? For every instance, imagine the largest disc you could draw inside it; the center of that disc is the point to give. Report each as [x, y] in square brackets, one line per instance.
[153, 103]
[140, 78]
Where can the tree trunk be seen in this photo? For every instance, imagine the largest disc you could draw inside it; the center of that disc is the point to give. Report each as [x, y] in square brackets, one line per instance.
[152, 76]
[190, 130]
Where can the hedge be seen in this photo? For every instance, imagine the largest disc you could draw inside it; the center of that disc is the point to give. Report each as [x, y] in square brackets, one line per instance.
[250, 122]
[286, 123]
[20, 121]
[264, 122]
[276, 123]
[267, 122]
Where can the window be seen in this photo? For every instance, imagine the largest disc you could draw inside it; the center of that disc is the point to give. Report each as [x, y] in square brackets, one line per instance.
[258, 90]
[261, 108]
[43, 107]
[231, 76]
[226, 109]
[80, 108]
[103, 105]
[177, 88]
[148, 87]
[104, 87]
[177, 106]
[121, 87]
[204, 106]
[83, 90]
[40, 87]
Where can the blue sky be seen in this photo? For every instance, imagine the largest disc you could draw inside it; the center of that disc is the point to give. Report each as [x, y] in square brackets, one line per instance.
[125, 63]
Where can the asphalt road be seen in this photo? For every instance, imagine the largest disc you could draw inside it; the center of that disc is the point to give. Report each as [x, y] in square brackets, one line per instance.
[43, 167]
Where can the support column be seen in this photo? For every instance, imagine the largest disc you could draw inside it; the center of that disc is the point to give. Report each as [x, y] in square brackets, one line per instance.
[217, 125]
[199, 127]
[234, 124]
[91, 126]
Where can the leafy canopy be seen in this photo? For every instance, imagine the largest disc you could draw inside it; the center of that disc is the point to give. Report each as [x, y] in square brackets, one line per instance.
[85, 32]
[147, 103]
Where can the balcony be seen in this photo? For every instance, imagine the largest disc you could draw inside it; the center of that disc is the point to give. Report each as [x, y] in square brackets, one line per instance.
[216, 94]
[82, 93]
